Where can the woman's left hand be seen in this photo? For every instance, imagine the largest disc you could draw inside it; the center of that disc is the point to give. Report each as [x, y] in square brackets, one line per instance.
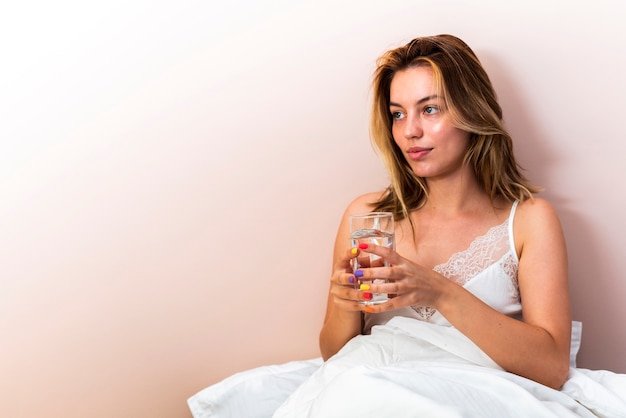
[410, 283]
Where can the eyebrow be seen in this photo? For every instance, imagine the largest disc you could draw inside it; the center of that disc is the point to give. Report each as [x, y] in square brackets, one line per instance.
[420, 101]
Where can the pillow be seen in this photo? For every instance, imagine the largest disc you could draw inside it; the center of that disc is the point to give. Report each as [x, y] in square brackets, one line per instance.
[252, 393]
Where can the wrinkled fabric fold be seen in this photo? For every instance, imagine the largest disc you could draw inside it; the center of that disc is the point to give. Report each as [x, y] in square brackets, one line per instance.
[409, 368]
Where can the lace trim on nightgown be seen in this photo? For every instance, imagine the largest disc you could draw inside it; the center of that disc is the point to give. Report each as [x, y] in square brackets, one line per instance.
[485, 251]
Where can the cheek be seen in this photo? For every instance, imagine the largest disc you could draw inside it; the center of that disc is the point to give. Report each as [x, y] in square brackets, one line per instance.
[441, 129]
[450, 133]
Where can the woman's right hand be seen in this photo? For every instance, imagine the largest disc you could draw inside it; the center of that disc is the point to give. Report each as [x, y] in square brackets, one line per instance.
[344, 314]
[343, 284]
[344, 318]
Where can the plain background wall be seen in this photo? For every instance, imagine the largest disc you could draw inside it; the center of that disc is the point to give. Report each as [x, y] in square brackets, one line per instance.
[172, 175]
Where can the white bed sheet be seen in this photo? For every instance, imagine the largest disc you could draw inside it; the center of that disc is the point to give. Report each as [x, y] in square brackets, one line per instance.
[407, 368]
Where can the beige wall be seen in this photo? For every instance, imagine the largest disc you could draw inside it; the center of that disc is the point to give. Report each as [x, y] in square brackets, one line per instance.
[171, 178]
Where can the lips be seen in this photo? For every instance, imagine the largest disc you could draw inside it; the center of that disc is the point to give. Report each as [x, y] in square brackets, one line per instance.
[417, 153]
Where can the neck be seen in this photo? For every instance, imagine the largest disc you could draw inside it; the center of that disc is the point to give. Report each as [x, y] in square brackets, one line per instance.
[454, 195]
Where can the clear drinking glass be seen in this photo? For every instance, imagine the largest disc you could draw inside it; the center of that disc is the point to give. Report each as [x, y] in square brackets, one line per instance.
[371, 228]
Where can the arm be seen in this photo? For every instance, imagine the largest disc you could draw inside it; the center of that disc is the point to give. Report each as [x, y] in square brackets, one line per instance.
[537, 348]
[344, 319]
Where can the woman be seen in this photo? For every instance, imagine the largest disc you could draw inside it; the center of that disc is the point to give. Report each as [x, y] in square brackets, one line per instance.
[473, 245]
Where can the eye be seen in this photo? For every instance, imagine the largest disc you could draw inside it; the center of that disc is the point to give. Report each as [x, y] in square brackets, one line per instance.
[431, 110]
[397, 115]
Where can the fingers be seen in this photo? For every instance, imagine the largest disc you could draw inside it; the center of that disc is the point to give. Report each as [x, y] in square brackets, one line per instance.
[385, 253]
[391, 304]
[350, 297]
[405, 282]
[344, 278]
[370, 256]
[348, 305]
[357, 258]
[347, 288]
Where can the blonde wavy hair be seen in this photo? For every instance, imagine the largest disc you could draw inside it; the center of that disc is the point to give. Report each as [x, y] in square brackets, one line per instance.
[466, 90]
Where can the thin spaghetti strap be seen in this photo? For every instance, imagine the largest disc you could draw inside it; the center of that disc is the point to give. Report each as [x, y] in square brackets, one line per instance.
[510, 230]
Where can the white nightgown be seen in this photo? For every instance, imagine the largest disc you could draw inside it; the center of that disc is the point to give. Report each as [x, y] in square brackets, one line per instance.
[488, 269]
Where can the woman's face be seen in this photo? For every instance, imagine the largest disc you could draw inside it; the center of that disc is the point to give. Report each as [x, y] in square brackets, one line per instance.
[422, 128]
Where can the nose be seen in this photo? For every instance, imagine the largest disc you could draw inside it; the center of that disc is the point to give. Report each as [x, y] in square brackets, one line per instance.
[413, 126]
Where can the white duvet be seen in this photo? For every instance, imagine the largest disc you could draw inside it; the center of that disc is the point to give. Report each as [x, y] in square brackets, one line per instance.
[407, 368]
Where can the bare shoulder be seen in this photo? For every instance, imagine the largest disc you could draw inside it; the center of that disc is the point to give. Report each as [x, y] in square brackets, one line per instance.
[536, 219]
[536, 210]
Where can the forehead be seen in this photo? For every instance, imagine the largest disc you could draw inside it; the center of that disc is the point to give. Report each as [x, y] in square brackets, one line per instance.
[412, 84]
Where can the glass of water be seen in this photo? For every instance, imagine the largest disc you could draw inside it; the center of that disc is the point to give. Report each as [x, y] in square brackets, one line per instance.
[371, 228]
